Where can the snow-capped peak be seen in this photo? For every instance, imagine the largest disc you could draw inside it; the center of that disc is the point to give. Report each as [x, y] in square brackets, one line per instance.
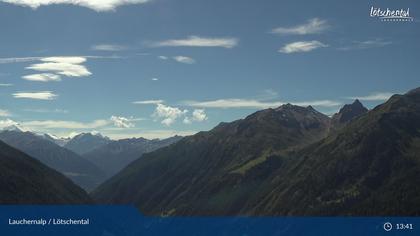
[14, 127]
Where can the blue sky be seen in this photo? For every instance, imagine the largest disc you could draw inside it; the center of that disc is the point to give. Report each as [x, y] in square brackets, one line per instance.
[163, 67]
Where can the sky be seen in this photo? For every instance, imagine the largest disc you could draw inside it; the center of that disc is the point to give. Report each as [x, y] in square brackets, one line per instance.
[157, 68]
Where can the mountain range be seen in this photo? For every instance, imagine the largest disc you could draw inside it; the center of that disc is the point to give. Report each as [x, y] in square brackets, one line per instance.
[85, 142]
[88, 170]
[114, 156]
[25, 180]
[289, 161]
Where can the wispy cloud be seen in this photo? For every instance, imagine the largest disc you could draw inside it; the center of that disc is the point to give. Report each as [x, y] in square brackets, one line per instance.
[168, 114]
[149, 102]
[46, 110]
[196, 41]
[184, 59]
[379, 96]
[313, 26]
[66, 126]
[43, 77]
[97, 5]
[63, 124]
[108, 47]
[9, 60]
[257, 104]
[318, 103]
[163, 57]
[5, 113]
[42, 95]
[233, 103]
[302, 46]
[6, 85]
[155, 79]
[375, 43]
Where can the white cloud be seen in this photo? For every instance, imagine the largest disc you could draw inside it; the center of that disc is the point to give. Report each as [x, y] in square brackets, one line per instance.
[97, 5]
[196, 41]
[187, 120]
[199, 115]
[68, 66]
[313, 26]
[302, 46]
[184, 59]
[108, 47]
[73, 60]
[43, 77]
[5, 113]
[62, 124]
[163, 57]
[42, 95]
[374, 97]
[6, 85]
[168, 114]
[376, 43]
[155, 79]
[258, 104]
[233, 103]
[122, 122]
[149, 102]
[69, 60]
[54, 68]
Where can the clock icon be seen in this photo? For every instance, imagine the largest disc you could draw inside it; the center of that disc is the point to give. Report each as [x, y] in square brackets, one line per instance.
[387, 226]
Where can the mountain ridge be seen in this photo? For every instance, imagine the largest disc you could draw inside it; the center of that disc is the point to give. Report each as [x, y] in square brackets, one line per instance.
[225, 149]
[281, 162]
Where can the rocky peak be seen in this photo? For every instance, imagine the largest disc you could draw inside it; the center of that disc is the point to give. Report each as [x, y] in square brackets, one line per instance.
[349, 112]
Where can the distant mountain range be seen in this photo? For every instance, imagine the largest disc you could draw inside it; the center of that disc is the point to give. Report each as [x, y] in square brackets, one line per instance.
[86, 142]
[114, 156]
[57, 140]
[24, 180]
[286, 161]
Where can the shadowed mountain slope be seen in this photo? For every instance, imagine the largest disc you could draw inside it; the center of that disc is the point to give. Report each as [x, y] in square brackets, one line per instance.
[24, 180]
[81, 171]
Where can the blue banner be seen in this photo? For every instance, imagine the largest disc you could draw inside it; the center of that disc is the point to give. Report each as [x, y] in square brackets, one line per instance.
[127, 221]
